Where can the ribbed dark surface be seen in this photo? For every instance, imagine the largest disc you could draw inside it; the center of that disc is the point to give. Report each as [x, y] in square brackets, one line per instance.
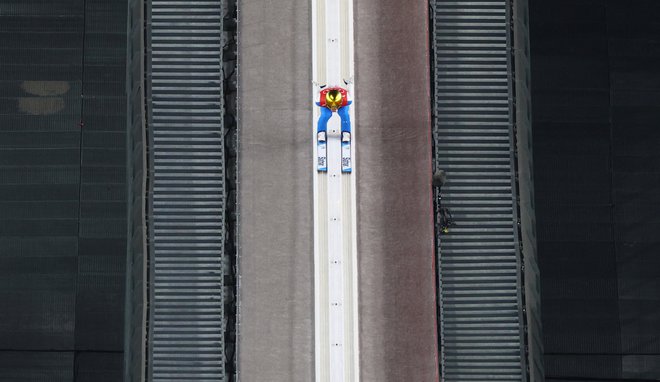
[188, 193]
[596, 91]
[480, 320]
[62, 189]
[102, 232]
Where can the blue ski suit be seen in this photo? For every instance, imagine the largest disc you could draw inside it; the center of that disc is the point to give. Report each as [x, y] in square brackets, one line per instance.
[326, 114]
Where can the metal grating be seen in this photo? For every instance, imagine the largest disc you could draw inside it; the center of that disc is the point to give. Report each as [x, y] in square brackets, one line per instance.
[188, 186]
[479, 265]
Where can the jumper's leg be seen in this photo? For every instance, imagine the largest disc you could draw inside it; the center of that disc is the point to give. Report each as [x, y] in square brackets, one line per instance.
[345, 119]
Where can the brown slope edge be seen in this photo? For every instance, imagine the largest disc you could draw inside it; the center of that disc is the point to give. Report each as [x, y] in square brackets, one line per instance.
[276, 287]
[395, 231]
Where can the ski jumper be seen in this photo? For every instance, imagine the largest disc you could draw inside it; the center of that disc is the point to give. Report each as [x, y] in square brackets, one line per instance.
[334, 99]
[331, 104]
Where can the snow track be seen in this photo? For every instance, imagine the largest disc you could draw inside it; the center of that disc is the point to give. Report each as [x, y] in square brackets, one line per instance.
[335, 250]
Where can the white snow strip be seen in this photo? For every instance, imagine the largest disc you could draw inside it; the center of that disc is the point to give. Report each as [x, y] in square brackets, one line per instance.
[335, 247]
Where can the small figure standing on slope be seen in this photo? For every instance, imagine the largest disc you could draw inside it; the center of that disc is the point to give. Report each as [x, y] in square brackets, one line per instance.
[331, 100]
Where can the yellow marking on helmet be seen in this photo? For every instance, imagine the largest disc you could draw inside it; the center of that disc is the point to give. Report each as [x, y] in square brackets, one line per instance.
[333, 99]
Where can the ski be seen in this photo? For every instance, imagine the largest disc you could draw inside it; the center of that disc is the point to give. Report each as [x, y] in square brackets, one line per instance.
[322, 151]
[346, 152]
